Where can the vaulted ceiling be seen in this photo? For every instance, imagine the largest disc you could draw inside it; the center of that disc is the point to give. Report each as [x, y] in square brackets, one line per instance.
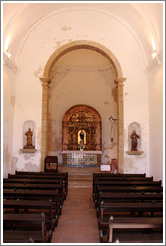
[144, 20]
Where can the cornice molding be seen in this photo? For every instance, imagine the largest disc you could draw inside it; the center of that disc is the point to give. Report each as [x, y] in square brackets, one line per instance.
[45, 82]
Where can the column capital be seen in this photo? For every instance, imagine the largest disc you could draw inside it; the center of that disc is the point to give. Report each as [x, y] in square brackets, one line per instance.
[45, 81]
[119, 81]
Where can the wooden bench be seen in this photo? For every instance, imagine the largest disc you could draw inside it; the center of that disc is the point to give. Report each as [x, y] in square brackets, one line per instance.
[37, 181]
[19, 227]
[31, 186]
[30, 240]
[36, 195]
[119, 174]
[118, 178]
[34, 206]
[126, 209]
[127, 197]
[127, 189]
[128, 224]
[41, 175]
[33, 180]
[112, 178]
[110, 208]
[63, 174]
[124, 183]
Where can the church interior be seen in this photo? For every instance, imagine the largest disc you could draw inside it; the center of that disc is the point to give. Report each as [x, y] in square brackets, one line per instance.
[83, 101]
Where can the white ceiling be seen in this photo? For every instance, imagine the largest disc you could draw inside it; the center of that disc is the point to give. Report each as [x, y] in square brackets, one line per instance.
[144, 19]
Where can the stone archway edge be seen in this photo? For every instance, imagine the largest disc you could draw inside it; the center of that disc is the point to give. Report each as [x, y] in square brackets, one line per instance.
[46, 83]
[82, 44]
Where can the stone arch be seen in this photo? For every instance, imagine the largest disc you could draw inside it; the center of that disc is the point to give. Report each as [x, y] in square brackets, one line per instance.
[46, 82]
[79, 45]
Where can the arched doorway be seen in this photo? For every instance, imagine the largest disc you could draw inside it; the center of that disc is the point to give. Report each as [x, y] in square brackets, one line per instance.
[118, 81]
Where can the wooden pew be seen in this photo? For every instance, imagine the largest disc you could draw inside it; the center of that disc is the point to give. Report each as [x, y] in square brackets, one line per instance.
[110, 208]
[41, 175]
[119, 174]
[124, 183]
[126, 189]
[126, 210]
[19, 227]
[64, 174]
[123, 178]
[112, 178]
[34, 206]
[30, 240]
[127, 197]
[36, 195]
[31, 186]
[128, 224]
[35, 181]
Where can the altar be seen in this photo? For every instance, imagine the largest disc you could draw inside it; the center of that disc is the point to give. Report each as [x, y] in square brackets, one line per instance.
[82, 158]
[81, 137]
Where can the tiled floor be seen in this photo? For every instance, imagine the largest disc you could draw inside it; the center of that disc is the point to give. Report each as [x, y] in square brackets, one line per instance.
[78, 222]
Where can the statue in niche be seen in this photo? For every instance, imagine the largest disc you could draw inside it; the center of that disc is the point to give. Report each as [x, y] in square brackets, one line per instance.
[82, 135]
[134, 142]
[81, 139]
[29, 135]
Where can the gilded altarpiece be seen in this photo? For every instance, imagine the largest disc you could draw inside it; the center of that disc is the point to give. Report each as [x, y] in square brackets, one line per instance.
[81, 134]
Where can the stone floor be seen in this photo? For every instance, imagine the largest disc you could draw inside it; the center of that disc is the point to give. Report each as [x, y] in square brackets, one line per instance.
[78, 222]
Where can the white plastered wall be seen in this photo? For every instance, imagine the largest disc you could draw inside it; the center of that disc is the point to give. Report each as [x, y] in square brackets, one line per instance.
[8, 117]
[156, 122]
[40, 44]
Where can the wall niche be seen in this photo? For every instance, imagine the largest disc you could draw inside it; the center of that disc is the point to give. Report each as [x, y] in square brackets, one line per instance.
[134, 146]
[29, 144]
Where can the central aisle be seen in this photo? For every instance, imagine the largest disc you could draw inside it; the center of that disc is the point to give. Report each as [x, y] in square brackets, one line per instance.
[78, 221]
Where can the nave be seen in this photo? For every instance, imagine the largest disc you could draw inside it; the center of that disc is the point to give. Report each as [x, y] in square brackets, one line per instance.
[78, 222]
[45, 208]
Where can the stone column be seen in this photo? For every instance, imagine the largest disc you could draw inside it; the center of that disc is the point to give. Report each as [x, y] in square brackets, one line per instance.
[45, 86]
[119, 82]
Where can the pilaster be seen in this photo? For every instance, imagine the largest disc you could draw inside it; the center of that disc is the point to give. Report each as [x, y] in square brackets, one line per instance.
[45, 84]
[119, 83]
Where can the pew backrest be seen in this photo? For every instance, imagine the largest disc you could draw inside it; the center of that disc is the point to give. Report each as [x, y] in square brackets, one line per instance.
[131, 223]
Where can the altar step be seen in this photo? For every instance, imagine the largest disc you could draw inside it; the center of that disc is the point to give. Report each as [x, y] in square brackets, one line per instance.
[80, 176]
[79, 170]
[80, 180]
